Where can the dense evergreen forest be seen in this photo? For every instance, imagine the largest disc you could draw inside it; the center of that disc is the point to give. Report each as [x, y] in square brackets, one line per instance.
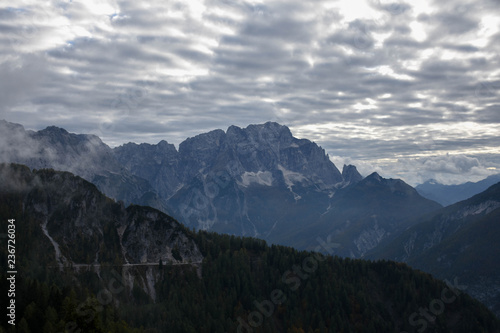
[247, 286]
[242, 285]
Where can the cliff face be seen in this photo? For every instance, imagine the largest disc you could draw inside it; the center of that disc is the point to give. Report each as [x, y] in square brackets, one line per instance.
[268, 148]
[261, 181]
[150, 236]
[158, 164]
[244, 181]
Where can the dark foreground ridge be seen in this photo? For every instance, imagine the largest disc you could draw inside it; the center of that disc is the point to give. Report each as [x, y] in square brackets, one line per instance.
[87, 264]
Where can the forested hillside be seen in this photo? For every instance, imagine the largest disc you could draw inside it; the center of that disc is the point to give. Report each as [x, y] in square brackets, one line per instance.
[240, 285]
[459, 240]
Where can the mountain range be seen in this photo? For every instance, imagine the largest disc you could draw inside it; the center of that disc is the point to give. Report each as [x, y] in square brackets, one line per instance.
[88, 263]
[450, 194]
[261, 181]
[256, 181]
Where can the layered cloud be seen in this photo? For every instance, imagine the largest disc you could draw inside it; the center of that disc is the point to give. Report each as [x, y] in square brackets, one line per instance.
[445, 169]
[375, 83]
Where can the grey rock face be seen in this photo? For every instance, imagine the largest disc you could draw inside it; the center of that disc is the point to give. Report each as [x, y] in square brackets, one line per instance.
[351, 174]
[213, 180]
[158, 164]
[151, 236]
[261, 181]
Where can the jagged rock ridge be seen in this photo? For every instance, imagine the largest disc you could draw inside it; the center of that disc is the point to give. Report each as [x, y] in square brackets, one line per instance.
[257, 181]
[239, 181]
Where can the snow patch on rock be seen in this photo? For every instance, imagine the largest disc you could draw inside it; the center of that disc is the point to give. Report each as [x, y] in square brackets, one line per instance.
[261, 178]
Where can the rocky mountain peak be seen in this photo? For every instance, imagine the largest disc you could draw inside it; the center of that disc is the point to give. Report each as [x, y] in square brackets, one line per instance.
[272, 127]
[165, 146]
[270, 133]
[10, 126]
[258, 154]
[375, 181]
[157, 152]
[203, 147]
[374, 177]
[209, 139]
[63, 139]
[55, 130]
[59, 135]
[351, 174]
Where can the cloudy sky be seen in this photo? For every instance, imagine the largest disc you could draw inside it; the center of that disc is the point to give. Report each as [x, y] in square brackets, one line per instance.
[411, 90]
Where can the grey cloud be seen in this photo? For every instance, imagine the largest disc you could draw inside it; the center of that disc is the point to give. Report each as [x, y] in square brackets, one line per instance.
[448, 164]
[455, 24]
[453, 19]
[447, 169]
[20, 79]
[393, 8]
[462, 48]
[279, 29]
[275, 61]
[488, 115]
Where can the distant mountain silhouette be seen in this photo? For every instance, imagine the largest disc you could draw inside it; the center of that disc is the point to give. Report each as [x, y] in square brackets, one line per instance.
[450, 194]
